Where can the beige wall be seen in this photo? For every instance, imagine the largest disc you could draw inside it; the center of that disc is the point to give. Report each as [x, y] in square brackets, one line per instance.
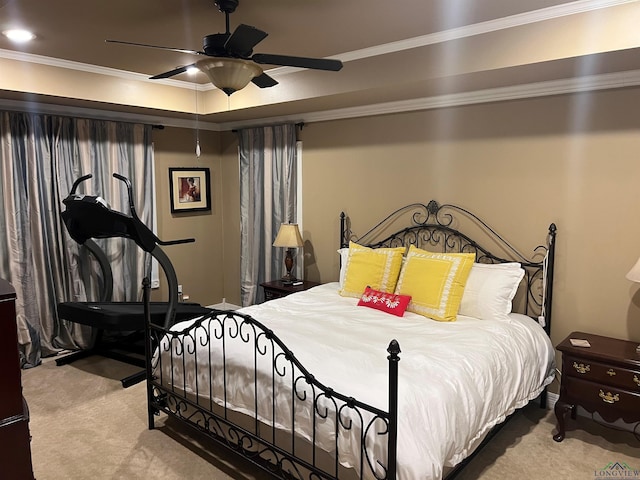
[572, 160]
[197, 265]
[209, 269]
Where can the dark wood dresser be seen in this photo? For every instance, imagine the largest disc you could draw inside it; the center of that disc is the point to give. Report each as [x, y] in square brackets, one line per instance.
[603, 378]
[15, 449]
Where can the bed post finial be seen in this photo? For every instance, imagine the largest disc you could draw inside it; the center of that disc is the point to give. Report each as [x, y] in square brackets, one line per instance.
[394, 350]
[548, 277]
[343, 234]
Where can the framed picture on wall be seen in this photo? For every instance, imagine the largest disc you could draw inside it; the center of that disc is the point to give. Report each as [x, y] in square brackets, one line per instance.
[189, 189]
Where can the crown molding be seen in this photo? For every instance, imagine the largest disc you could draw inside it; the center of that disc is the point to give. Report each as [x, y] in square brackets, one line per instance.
[518, 92]
[535, 16]
[556, 11]
[557, 87]
[99, 114]
[96, 69]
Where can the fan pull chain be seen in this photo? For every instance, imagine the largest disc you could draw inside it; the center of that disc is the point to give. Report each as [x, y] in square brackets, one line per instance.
[197, 125]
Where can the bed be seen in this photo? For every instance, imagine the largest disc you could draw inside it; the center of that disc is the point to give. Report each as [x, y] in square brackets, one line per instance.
[302, 386]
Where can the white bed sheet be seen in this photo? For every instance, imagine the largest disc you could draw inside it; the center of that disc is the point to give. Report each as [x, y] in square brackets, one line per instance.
[456, 379]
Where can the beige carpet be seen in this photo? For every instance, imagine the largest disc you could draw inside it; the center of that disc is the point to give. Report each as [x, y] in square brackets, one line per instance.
[86, 426]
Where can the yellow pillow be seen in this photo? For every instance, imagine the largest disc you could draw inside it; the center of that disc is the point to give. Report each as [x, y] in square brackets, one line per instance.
[435, 282]
[377, 268]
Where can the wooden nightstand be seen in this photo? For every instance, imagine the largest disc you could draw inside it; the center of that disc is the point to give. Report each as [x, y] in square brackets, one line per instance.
[603, 378]
[277, 289]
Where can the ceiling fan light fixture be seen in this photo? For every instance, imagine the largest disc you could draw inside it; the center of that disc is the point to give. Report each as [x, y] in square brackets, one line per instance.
[229, 74]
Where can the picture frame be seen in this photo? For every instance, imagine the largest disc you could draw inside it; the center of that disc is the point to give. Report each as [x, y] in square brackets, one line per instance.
[189, 189]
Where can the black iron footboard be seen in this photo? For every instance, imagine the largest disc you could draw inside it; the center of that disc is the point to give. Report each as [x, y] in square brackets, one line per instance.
[321, 428]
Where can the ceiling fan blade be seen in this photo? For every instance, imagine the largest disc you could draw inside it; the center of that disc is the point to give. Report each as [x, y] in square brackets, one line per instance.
[181, 50]
[243, 39]
[171, 73]
[302, 62]
[264, 81]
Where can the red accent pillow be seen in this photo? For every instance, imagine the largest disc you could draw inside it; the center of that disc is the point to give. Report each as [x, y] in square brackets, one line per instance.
[386, 302]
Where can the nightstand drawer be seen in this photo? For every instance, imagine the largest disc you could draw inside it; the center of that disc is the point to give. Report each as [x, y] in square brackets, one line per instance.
[270, 294]
[612, 403]
[586, 369]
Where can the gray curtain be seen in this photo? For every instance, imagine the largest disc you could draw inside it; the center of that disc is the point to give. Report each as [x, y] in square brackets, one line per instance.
[268, 198]
[40, 158]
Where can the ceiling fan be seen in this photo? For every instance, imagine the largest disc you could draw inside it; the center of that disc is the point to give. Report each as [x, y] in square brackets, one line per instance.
[231, 63]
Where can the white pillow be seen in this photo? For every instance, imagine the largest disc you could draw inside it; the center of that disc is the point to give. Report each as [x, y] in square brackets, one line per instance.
[344, 256]
[490, 290]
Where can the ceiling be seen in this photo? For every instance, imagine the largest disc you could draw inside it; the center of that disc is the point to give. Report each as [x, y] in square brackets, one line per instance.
[400, 55]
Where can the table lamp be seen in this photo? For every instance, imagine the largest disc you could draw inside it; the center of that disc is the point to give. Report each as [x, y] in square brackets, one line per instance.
[288, 237]
[634, 273]
[634, 276]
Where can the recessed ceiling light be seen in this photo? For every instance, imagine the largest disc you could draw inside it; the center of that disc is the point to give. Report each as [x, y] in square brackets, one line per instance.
[18, 35]
[192, 70]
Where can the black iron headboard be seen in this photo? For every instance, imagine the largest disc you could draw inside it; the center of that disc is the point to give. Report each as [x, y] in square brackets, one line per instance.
[435, 227]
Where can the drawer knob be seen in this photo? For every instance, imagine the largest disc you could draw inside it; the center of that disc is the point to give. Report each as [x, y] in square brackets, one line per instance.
[636, 379]
[609, 397]
[581, 367]
[611, 372]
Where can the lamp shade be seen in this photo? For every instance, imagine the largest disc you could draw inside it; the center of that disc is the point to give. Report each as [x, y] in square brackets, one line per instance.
[634, 273]
[229, 74]
[288, 236]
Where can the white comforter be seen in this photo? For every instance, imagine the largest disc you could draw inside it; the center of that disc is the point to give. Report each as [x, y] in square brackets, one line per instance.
[457, 379]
